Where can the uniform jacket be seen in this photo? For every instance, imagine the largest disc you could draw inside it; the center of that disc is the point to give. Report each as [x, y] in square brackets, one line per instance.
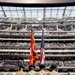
[54, 73]
[43, 72]
[21, 73]
[32, 72]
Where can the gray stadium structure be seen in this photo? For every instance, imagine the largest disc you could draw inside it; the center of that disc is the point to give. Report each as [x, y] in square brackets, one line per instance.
[58, 23]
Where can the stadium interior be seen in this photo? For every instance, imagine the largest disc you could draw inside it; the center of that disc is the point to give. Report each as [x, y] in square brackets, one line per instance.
[59, 37]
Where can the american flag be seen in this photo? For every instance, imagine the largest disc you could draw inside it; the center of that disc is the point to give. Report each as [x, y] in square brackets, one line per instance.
[42, 51]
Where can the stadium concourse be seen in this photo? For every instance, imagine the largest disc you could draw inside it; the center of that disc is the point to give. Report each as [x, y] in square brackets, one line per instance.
[58, 24]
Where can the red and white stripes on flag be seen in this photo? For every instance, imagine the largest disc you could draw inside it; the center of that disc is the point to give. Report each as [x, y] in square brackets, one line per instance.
[42, 51]
[42, 60]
